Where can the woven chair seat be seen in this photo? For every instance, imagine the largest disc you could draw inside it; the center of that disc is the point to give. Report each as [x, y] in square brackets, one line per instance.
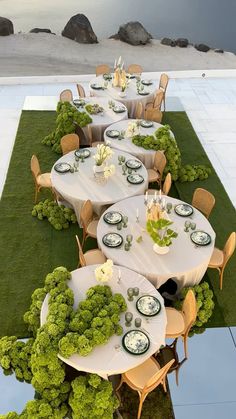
[140, 375]
[94, 256]
[92, 229]
[175, 322]
[217, 258]
[44, 180]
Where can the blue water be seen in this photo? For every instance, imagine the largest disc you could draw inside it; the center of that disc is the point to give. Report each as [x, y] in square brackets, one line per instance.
[208, 21]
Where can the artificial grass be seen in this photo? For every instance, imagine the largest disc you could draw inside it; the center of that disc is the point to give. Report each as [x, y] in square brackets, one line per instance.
[31, 248]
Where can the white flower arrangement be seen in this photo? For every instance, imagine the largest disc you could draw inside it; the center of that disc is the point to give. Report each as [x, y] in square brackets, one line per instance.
[104, 152]
[132, 129]
[104, 272]
[109, 171]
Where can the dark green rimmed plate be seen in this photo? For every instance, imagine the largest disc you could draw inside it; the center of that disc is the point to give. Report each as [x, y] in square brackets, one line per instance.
[136, 342]
[84, 152]
[96, 86]
[135, 179]
[62, 167]
[148, 305]
[200, 238]
[143, 93]
[113, 133]
[184, 210]
[112, 240]
[146, 124]
[133, 164]
[119, 109]
[147, 82]
[112, 217]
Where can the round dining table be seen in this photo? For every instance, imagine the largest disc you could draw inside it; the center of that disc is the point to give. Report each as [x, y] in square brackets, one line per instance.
[126, 145]
[112, 358]
[78, 187]
[102, 120]
[131, 97]
[185, 262]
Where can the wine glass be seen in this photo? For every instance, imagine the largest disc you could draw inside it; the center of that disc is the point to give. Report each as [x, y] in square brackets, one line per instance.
[129, 171]
[169, 207]
[187, 225]
[128, 317]
[192, 226]
[124, 168]
[120, 159]
[136, 291]
[138, 322]
[125, 220]
[130, 293]
[129, 239]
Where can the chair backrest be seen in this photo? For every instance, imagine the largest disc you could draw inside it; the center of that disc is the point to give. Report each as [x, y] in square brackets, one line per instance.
[158, 99]
[81, 91]
[69, 143]
[86, 214]
[35, 167]
[167, 184]
[164, 79]
[66, 96]
[139, 111]
[203, 200]
[81, 255]
[159, 162]
[152, 114]
[135, 69]
[189, 310]
[102, 69]
[158, 377]
[229, 247]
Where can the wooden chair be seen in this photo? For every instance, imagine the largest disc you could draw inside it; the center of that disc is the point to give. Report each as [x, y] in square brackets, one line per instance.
[156, 102]
[87, 221]
[80, 90]
[168, 353]
[69, 142]
[138, 111]
[204, 201]
[41, 180]
[102, 69]
[145, 378]
[165, 188]
[179, 323]
[164, 80]
[152, 114]
[66, 96]
[155, 174]
[135, 69]
[220, 258]
[91, 257]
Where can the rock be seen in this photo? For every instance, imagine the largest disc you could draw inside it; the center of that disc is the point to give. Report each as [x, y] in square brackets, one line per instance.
[169, 42]
[182, 42]
[39, 30]
[115, 36]
[202, 47]
[219, 51]
[134, 33]
[79, 29]
[6, 27]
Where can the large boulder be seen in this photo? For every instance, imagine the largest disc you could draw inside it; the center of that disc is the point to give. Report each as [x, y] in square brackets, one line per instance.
[202, 47]
[182, 42]
[39, 30]
[6, 27]
[134, 33]
[79, 29]
[169, 42]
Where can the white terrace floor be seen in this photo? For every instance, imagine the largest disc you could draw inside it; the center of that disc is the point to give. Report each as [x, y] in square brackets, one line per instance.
[208, 379]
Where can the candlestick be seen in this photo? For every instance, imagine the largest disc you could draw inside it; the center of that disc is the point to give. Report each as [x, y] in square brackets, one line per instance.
[146, 195]
[137, 215]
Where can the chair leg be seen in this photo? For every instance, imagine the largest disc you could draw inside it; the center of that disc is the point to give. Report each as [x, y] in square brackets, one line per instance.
[164, 385]
[185, 338]
[140, 406]
[221, 272]
[177, 376]
[120, 384]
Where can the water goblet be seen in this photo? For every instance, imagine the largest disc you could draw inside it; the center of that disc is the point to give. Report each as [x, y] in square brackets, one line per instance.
[125, 220]
[77, 158]
[82, 158]
[124, 168]
[128, 318]
[138, 322]
[76, 166]
[127, 247]
[130, 293]
[169, 207]
[123, 159]
[187, 225]
[192, 226]
[129, 171]
[129, 238]
[119, 226]
[120, 159]
[136, 291]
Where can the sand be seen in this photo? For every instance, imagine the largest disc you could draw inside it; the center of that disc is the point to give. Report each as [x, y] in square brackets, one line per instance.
[45, 54]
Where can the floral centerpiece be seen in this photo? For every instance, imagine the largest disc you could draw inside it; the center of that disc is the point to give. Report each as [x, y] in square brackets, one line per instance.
[132, 129]
[104, 153]
[161, 234]
[119, 73]
[104, 272]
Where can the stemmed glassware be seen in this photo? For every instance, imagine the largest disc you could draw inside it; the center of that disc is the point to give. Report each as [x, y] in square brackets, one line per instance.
[169, 207]
[128, 317]
[187, 225]
[192, 226]
[125, 220]
[120, 159]
[124, 169]
[130, 293]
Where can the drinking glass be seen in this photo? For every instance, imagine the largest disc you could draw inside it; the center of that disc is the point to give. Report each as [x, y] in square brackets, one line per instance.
[77, 158]
[129, 239]
[120, 159]
[129, 171]
[82, 158]
[123, 159]
[192, 226]
[130, 293]
[119, 226]
[127, 246]
[187, 225]
[138, 322]
[169, 207]
[125, 220]
[128, 318]
[136, 291]
[76, 166]
[124, 168]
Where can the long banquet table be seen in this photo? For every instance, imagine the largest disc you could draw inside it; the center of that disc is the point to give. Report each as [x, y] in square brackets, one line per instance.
[185, 262]
[111, 358]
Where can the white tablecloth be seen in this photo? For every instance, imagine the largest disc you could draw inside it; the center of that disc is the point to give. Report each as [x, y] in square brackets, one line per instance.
[102, 121]
[79, 186]
[146, 156]
[132, 97]
[185, 262]
[106, 360]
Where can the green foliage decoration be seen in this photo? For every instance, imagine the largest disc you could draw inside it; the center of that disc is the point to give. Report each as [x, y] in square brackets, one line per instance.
[94, 322]
[92, 397]
[58, 216]
[14, 355]
[160, 233]
[164, 140]
[205, 305]
[68, 116]
[94, 109]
